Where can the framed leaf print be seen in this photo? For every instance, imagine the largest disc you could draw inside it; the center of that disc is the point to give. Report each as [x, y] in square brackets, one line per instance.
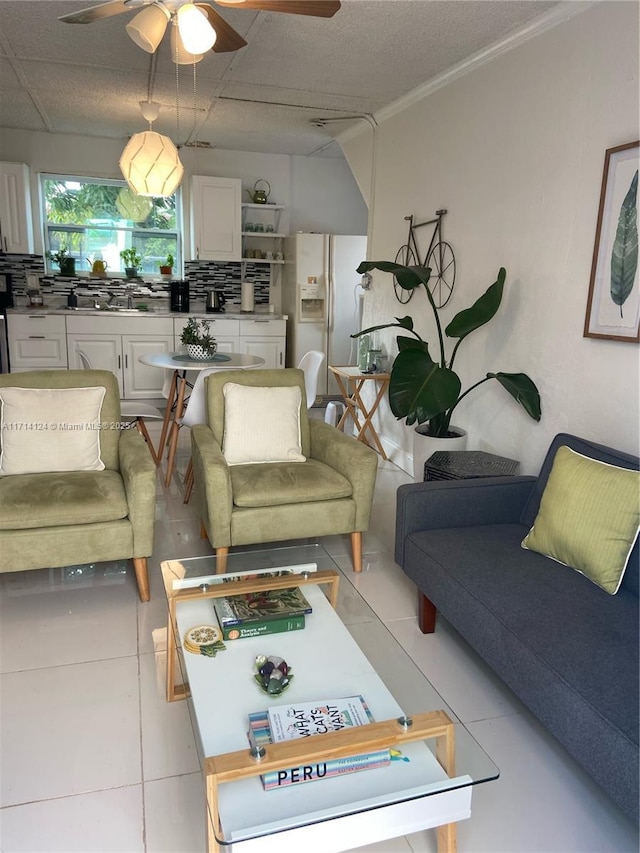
[613, 307]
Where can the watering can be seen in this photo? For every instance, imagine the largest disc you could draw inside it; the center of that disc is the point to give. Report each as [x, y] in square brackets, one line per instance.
[260, 194]
[99, 267]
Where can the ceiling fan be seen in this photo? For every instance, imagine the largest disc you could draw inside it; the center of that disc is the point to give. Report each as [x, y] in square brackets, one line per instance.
[226, 38]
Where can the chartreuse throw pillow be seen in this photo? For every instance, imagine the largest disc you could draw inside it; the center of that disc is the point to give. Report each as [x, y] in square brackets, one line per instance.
[589, 517]
[261, 424]
[50, 429]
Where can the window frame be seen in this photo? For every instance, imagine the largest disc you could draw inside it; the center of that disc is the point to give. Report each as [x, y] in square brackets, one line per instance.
[76, 228]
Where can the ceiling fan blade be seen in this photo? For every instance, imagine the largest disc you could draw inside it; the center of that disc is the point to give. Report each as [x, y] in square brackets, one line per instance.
[96, 13]
[227, 38]
[315, 8]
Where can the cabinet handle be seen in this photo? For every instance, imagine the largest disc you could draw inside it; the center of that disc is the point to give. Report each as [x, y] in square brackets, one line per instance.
[126, 362]
[197, 253]
[280, 358]
[260, 321]
[37, 317]
[119, 362]
[37, 337]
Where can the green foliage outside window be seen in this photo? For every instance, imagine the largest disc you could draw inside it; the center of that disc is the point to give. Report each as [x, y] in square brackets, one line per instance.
[95, 219]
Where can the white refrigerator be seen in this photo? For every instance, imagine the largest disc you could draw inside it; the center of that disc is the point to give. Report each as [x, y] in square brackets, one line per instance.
[322, 296]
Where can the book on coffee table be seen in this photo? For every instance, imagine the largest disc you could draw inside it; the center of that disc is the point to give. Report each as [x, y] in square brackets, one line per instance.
[260, 627]
[255, 607]
[286, 722]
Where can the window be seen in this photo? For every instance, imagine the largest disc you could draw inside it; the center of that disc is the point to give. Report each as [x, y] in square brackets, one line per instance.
[96, 218]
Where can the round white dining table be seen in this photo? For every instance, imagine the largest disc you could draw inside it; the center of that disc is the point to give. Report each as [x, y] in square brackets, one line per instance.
[180, 364]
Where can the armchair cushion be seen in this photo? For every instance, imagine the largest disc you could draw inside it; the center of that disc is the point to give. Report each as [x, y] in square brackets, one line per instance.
[61, 498]
[261, 424]
[50, 429]
[287, 483]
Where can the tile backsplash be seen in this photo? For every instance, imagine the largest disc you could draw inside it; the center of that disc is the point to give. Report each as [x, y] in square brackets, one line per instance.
[202, 276]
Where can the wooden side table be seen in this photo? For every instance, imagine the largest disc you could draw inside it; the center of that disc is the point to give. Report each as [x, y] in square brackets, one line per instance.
[351, 382]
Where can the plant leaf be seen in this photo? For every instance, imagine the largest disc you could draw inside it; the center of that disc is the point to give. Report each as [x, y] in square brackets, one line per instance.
[407, 277]
[419, 388]
[624, 254]
[411, 343]
[482, 310]
[523, 389]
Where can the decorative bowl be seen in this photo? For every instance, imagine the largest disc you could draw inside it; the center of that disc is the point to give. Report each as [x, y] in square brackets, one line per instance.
[199, 353]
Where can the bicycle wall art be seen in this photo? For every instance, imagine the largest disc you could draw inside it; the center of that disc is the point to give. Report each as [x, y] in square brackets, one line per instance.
[613, 305]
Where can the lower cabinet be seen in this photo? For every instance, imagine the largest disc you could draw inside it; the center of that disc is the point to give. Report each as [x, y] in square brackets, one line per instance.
[264, 338]
[36, 341]
[120, 353]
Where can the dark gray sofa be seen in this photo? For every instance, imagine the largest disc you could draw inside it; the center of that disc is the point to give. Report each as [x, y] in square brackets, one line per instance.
[565, 647]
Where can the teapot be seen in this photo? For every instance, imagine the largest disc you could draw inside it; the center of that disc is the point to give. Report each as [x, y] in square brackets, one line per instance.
[99, 267]
[260, 196]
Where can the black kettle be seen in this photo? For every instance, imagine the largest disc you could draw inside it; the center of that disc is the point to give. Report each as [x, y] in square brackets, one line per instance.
[215, 302]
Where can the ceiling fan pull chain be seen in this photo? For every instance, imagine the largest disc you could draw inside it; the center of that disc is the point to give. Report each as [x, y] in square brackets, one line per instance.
[177, 93]
[195, 133]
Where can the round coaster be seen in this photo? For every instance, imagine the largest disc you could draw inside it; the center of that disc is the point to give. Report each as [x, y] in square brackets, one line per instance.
[201, 635]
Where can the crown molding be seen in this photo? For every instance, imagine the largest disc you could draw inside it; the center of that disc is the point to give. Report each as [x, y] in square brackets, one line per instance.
[564, 11]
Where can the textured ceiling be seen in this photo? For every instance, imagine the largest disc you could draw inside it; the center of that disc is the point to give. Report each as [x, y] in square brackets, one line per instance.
[89, 79]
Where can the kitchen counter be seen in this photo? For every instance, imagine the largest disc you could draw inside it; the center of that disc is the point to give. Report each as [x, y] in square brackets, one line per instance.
[200, 313]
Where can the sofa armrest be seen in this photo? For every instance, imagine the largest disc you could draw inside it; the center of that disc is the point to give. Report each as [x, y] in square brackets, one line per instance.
[351, 458]
[458, 503]
[212, 484]
[138, 472]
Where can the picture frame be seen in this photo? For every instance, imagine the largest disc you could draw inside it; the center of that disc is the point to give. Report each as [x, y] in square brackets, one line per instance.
[613, 304]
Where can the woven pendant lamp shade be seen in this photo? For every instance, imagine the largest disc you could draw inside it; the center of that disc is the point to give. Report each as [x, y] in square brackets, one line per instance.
[151, 165]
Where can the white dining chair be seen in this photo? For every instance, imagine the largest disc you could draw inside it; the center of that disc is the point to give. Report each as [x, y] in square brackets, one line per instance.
[135, 411]
[194, 413]
[310, 363]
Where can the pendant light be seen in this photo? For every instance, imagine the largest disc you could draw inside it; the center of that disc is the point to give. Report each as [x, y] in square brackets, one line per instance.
[150, 162]
[196, 33]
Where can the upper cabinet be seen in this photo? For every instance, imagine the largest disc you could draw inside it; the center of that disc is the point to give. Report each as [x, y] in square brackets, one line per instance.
[216, 218]
[16, 226]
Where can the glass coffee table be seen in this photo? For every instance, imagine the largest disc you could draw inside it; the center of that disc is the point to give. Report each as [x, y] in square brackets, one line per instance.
[435, 762]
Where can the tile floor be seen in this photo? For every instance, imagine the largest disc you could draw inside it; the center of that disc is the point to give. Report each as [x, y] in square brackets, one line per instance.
[94, 760]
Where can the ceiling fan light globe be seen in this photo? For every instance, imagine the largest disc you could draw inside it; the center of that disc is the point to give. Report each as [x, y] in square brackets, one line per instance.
[148, 27]
[182, 57]
[150, 164]
[196, 33]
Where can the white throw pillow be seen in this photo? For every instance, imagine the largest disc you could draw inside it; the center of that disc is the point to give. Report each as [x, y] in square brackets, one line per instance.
[261, 424]
[50, 429]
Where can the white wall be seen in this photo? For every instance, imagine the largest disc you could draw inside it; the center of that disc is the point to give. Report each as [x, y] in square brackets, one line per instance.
[320, 194]
[515, 151]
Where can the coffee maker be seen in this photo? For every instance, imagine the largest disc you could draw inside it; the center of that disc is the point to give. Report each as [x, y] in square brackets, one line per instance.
[179, 296]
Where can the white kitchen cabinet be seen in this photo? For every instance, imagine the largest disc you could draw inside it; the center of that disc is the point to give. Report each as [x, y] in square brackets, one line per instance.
[216, 219]
[36, 341]
[264, 338]
[120, 353]
[16, 224]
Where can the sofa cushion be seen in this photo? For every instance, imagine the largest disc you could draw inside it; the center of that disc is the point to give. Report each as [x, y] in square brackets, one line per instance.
[50, 429]
[29, 501]
[564, 646]
[261, 424]
[287, 483]
[589, 517]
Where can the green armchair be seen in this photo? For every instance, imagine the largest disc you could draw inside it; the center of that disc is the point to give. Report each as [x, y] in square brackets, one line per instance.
[52, 518]
[243, 504]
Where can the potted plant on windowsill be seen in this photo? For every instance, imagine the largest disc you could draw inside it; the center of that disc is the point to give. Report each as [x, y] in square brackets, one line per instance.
[166, 266]
[427, 391]
[65, 262]
[200, 344]
[132, 260]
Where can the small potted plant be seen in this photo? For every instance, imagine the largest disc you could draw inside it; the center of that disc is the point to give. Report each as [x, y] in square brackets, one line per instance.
[199, 343]
[66, 263]
[132, 260]
[166, 266]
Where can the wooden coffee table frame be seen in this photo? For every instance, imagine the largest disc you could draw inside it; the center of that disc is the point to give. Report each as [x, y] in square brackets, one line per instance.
[243, 764]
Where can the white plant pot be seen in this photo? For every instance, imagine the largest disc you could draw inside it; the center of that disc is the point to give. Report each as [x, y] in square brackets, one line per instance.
[199, 353]
[426, 445]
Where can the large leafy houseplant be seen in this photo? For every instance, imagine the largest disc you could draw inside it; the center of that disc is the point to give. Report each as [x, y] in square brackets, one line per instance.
[426, 389]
